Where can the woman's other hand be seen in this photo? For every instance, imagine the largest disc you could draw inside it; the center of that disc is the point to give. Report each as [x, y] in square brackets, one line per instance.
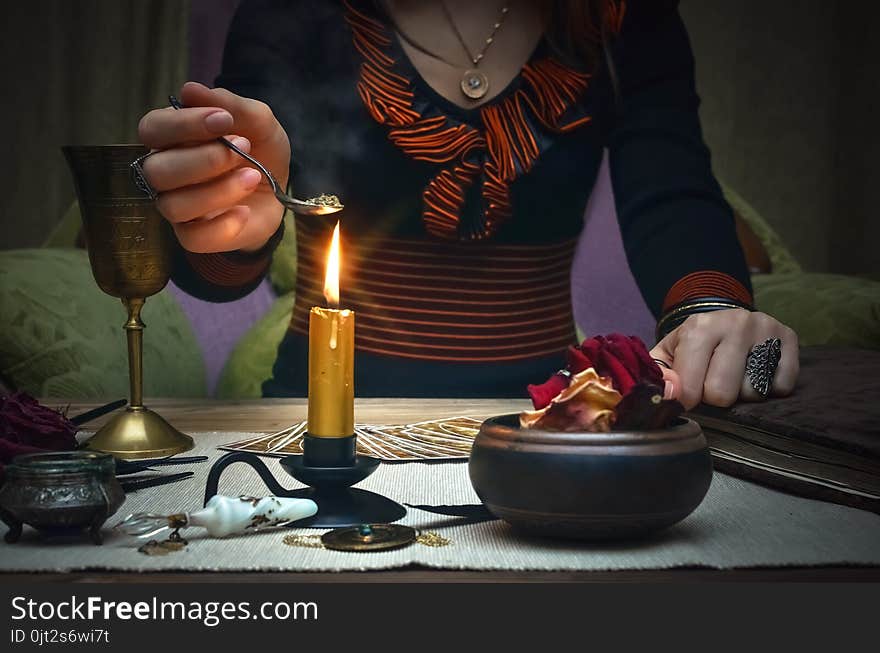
[213, 198]
[707, 355]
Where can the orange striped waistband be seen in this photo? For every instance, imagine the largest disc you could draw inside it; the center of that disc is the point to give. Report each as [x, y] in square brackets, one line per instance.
[446, 301]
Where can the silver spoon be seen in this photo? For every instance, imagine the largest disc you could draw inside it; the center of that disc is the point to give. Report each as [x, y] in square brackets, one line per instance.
[302, 207]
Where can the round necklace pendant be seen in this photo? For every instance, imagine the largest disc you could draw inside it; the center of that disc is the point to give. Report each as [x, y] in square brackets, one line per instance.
[474, 84]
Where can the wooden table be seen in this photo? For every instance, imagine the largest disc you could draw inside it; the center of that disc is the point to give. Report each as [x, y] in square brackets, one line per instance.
[269, 415]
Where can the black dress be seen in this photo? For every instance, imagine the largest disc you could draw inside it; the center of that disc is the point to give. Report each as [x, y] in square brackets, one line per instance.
[457, 270]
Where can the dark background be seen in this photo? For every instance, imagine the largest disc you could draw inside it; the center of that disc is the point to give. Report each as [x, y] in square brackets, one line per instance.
[790, 89]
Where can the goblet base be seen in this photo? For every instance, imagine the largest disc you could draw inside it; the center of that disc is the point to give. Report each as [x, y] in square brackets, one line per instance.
[139, 433]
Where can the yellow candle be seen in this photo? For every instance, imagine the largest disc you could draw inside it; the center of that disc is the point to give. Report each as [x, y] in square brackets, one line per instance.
[331, 359]
[331, 373]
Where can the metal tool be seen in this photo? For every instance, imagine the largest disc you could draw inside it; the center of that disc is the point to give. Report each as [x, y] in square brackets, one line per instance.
[126, 467]
[135, 484]
[95, 413]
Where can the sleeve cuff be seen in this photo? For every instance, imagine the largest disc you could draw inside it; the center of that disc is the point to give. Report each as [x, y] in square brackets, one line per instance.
[707, 283]
[235, 269]
[701, 292]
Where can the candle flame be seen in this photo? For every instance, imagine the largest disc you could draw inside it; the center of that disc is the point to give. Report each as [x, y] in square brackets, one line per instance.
[331, 276]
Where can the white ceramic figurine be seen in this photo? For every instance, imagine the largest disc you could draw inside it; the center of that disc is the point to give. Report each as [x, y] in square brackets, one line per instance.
[224, 516]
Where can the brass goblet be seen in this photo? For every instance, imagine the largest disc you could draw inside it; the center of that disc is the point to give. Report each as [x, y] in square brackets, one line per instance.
[130, 251]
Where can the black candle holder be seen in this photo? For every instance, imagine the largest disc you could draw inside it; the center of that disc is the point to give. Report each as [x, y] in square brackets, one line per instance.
[329, 466]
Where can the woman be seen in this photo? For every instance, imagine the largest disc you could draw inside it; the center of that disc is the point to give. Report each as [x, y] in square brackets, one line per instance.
[464, 138]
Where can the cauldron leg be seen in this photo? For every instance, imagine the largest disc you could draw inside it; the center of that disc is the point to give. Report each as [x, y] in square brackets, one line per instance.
[14, 525]
[95, 528]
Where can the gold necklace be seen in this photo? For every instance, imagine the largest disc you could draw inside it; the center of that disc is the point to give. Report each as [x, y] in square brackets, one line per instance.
[474, 83]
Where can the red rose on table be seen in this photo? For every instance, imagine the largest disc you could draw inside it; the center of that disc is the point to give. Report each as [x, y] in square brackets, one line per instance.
[26, 426]
[623, 359]
[25, 421]
[609, 382]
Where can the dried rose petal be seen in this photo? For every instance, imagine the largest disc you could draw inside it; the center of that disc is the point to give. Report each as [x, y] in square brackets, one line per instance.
[645, 409]
[587, 404]
[610, 365]
[577, 360]
[543, 394]
[623, 358]
[624, 350]
[649, 371]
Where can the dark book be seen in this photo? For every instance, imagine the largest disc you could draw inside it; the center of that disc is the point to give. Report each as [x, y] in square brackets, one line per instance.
[822, 442]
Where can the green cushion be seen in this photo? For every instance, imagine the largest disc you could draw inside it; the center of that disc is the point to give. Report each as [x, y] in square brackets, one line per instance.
[250, 363]
[60, 336]
[824, 309]
[782, 259]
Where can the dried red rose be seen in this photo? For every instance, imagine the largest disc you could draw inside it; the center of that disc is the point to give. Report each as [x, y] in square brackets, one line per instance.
[609, 381]
[23, 419]
[26, 426]
[623, 359]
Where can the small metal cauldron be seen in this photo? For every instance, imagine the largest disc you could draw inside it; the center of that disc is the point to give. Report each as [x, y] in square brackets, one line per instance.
[60, 493]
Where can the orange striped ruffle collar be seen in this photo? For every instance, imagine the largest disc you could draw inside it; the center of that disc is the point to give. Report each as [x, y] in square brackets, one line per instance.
[514, 129]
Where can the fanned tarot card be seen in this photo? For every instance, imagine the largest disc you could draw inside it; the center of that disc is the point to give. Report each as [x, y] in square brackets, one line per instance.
[443, 439]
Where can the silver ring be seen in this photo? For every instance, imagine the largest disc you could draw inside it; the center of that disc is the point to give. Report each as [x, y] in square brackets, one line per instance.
[137, 175]
[761, 364]
[661, 363]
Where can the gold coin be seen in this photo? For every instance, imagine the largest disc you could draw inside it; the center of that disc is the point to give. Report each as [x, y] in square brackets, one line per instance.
[369, 537]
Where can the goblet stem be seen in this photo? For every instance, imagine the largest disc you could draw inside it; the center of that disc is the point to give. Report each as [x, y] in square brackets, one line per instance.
[134, 330]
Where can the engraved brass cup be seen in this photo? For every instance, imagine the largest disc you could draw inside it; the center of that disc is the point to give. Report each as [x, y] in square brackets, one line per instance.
[130, 246]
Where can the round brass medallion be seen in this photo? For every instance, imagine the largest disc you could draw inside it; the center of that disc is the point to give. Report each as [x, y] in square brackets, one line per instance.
[369, 537]
[474, 84]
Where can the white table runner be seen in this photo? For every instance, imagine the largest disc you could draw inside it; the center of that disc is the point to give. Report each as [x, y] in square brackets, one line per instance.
[739, 524]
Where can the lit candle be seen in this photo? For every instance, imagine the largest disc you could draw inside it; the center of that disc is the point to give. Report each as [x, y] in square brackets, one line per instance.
[331, 358]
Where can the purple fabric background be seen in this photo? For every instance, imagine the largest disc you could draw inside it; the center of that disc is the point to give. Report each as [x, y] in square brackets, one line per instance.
[208, 23]
[605, 296]
[218, 327]
[604, 293]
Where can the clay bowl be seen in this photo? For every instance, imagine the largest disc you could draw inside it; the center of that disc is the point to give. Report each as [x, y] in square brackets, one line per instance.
[593, 486]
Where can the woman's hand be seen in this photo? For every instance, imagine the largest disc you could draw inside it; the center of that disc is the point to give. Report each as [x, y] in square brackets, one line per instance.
[212, 198]
[707, 356]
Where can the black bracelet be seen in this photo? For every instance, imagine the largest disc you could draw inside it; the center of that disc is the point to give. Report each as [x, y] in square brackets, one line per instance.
[673, 318]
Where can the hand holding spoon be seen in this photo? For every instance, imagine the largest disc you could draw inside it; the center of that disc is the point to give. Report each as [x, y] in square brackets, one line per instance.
[321, 205]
